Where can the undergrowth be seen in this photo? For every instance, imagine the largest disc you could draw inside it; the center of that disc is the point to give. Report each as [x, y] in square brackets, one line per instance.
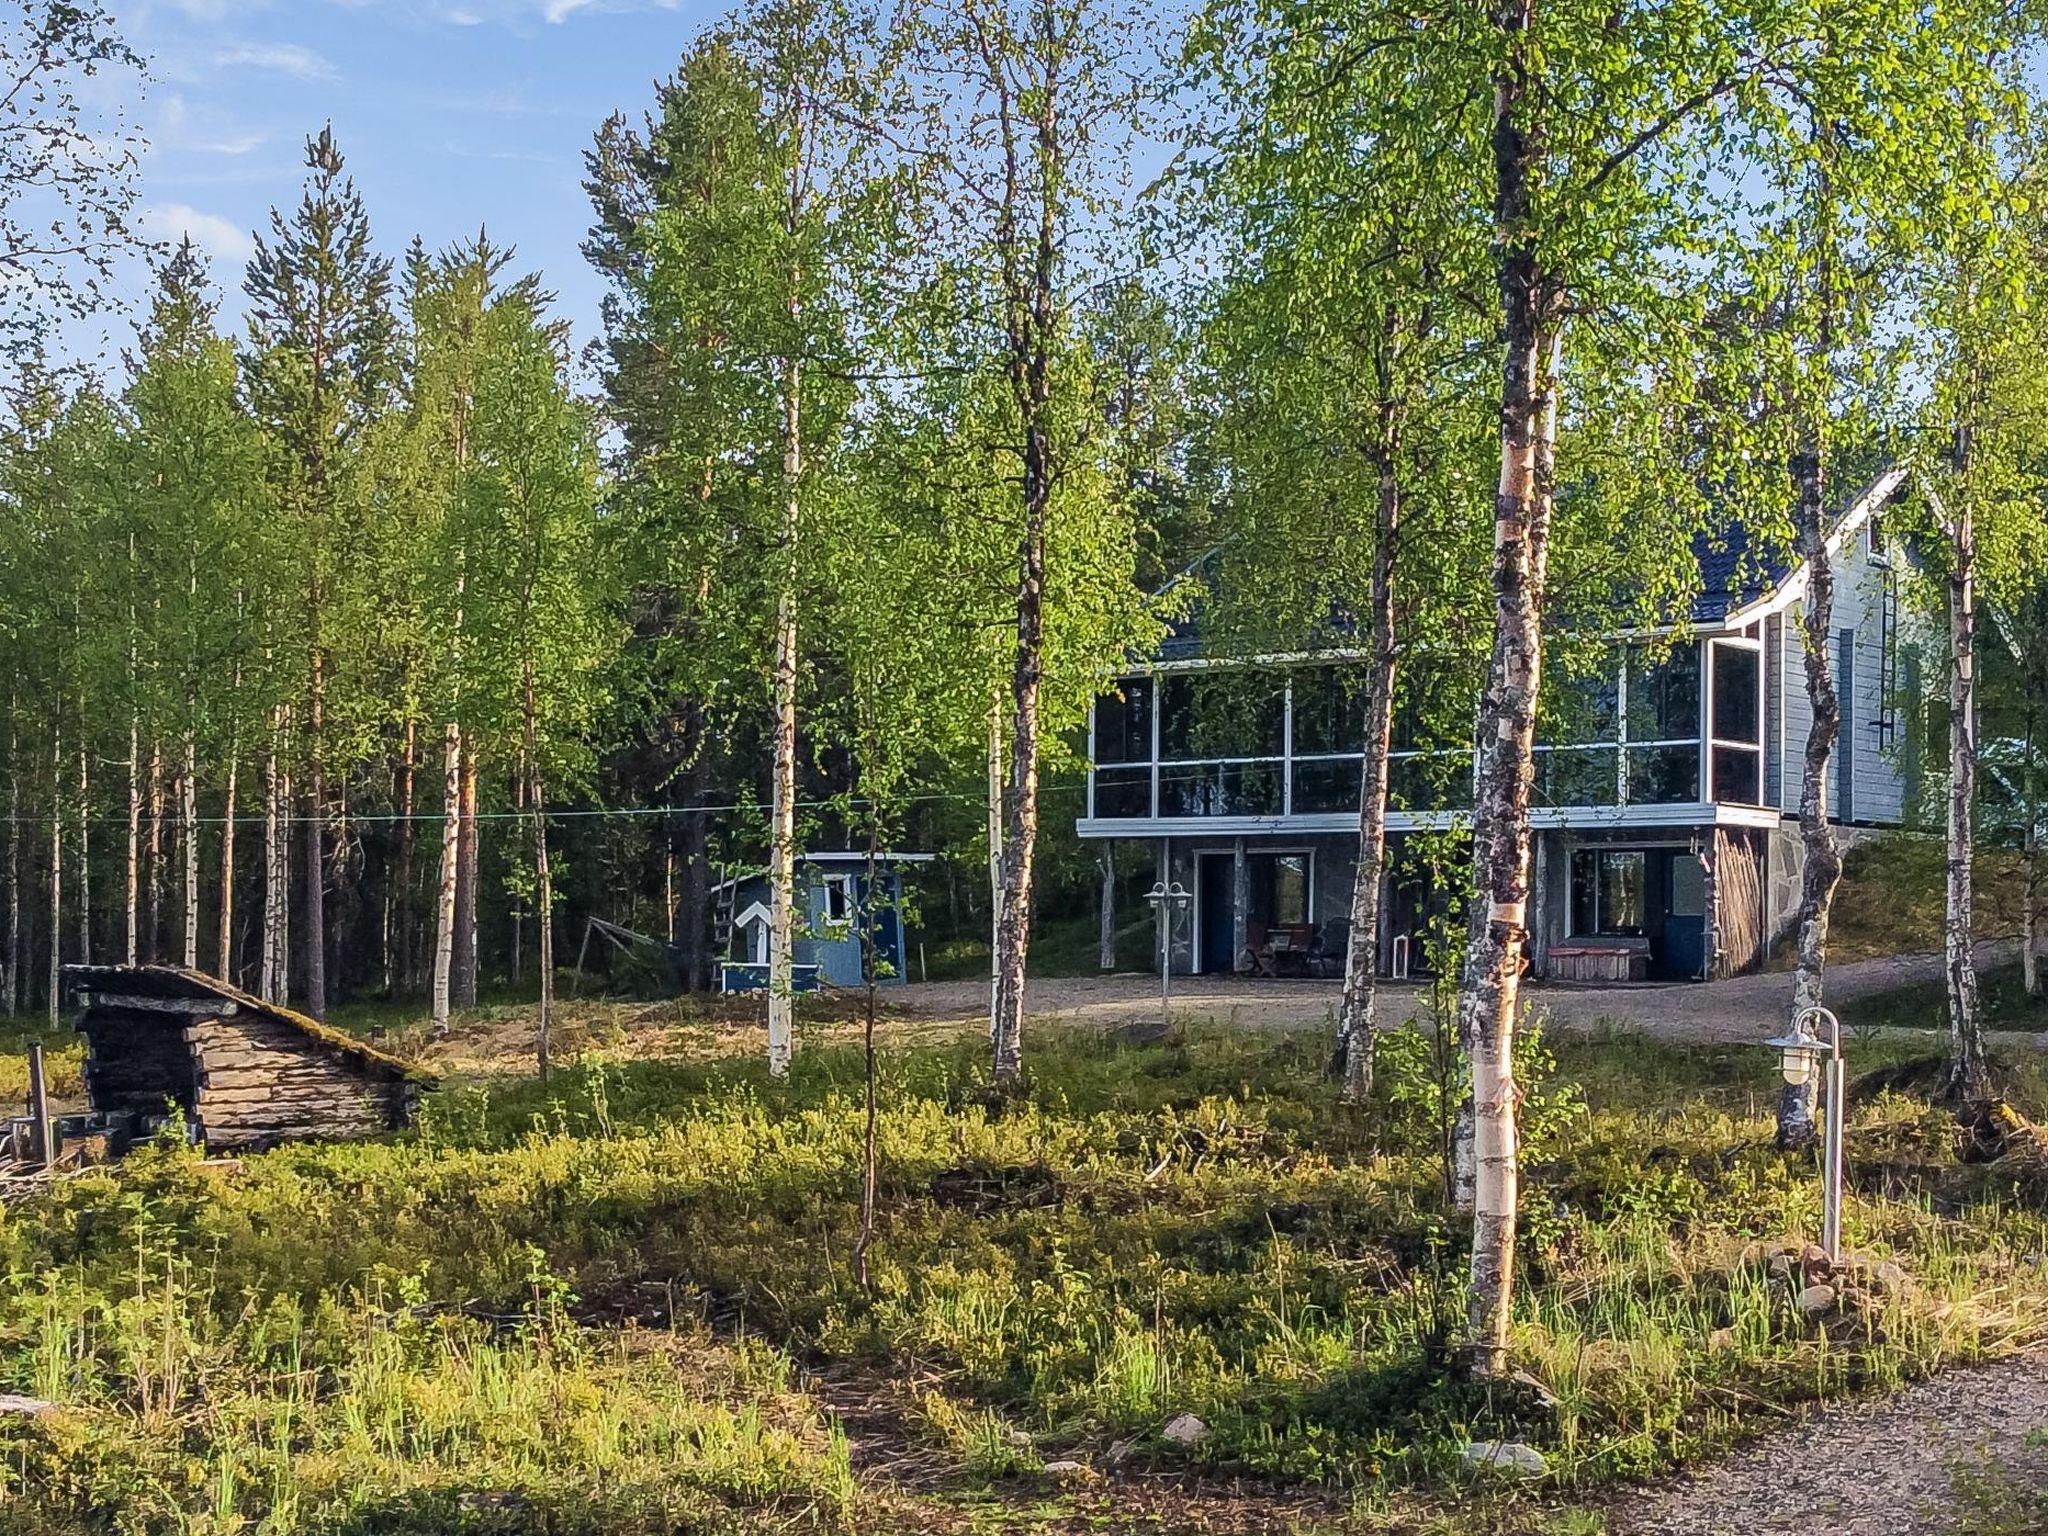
[610, 1304]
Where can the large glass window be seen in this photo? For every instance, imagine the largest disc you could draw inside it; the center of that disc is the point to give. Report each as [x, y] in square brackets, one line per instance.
[1610, 890]
[1328, 786]
[1329, 711]
[1220, 789]
[1736, 754]
[1123, 723]
[1211, 715]
[1123, 793]
[1578, 775]
[1664, 694]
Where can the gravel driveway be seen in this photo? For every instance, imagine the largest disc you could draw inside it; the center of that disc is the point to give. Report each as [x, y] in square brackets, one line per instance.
[1740, 1008]
[1881, 1466]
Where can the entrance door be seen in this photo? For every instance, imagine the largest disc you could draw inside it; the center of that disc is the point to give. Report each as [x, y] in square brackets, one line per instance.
[1215, 951]
[1685, 921]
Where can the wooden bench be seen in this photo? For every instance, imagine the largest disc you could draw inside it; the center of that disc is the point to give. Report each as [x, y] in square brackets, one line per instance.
[1599, 962]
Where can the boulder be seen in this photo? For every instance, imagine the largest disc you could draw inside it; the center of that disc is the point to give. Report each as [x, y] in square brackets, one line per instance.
[14, 1406]
[1508, 1457]
[1184, 1430]
[1815, 1301]
[1068, 1471]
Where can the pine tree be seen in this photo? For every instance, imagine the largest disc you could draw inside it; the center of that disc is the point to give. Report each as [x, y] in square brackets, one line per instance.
[318, 370]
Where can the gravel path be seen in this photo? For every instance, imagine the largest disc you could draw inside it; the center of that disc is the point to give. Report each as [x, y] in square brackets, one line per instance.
[1872, 1467]
[1735, 1009]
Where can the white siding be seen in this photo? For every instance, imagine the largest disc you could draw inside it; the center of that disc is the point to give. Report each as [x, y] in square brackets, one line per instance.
[1877, 784]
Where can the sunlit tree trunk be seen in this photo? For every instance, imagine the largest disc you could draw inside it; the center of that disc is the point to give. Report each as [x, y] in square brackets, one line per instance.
[152, 942]
[134, 894]
[463, 986]
[14, 951]
[188, 816]
[1968, 1073]
[995, 859]
[1356, 1012]
[277, 906]
[84, 858]
[543, 877]
[229, 809]
[1823, 867]
[444, 889]
[316, 826]
[56, 877]
[1489, 991]
[782, 831]
[2030, 868]
[399, 946]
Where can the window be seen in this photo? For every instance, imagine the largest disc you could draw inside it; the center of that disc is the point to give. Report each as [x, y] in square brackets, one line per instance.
[838, 898]
[1221, 714]
[1290, 888]
[1123, 723]
[1664, 694]
[1874, 542]
[1736, 756]
[1329, 711]
[1609, 891]
[1123, 793]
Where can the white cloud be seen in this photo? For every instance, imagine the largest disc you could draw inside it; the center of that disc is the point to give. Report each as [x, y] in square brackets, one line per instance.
[280, 58]
[562, 10]
[222, 239]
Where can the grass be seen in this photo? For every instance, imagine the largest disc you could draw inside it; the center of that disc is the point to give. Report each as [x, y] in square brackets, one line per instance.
[1892, 893]
[2001, 998]
[626, 1302]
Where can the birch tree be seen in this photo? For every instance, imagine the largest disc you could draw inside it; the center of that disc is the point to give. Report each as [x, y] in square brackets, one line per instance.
[1019, 121]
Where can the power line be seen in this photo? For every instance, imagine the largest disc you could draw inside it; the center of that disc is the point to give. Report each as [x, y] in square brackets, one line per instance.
[629, 812]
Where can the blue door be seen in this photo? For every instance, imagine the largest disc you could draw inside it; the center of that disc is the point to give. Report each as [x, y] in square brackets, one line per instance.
[883, 909]
[1685, 918]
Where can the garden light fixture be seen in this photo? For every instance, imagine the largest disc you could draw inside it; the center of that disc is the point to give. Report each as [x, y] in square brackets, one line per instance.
[1170, 900]
[1799, 1053]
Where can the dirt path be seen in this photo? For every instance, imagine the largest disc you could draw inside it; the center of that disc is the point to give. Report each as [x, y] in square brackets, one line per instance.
[1875, 1467]
[1736, 1009]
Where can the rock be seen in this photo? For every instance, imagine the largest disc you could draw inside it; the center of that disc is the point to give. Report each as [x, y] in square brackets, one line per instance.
[1185, 1429]
[1814, 1301]
[1720, 1341]
[1778, 1266]
[1814, 1260]
[13, 1406]
[1506, 1456]
[1120, 1451]
[1068, 1471]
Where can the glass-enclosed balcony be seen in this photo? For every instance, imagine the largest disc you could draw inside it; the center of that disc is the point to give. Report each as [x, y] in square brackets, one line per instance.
[1643, 726]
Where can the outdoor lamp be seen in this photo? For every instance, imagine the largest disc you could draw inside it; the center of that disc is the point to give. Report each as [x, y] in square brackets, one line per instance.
[1797, 1054]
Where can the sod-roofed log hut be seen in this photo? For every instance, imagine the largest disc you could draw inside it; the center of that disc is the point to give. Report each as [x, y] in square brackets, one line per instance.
[246, 1073]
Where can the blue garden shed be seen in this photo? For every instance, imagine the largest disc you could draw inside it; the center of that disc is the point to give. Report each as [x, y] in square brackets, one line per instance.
[833, 899]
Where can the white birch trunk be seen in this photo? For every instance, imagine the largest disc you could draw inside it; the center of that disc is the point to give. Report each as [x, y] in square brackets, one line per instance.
[782, 830]
[84, 859]
[1969, 1074]
[134, 904]
[14, 955]
[227, 867]
[56, 878]
[995, 858]
[2030, 871]
[277, 906]
[444, 896]
[188, 816]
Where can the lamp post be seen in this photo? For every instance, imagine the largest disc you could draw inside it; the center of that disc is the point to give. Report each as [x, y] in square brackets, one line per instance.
[1169, 900]
[1800, 1054]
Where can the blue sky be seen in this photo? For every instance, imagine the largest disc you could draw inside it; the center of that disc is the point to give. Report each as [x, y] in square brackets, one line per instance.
[453, 114]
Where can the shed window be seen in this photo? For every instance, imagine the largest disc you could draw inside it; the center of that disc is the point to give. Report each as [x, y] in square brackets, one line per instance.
[838, 898]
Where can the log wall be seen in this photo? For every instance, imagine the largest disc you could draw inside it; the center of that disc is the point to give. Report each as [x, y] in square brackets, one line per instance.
[263, 1082]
